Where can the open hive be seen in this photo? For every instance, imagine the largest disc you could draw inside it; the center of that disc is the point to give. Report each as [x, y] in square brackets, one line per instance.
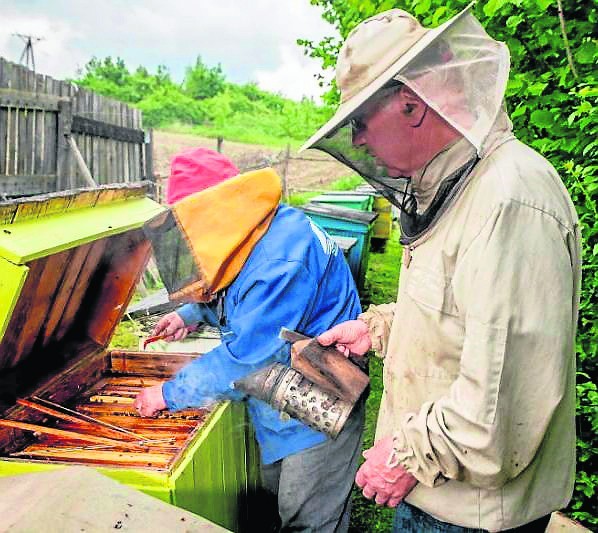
[69, 264]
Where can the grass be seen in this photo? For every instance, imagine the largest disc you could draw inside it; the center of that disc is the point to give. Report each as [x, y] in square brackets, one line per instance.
[235, 133]
[381, 287]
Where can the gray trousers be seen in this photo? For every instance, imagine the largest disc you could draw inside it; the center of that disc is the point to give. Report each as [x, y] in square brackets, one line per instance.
[312, 488]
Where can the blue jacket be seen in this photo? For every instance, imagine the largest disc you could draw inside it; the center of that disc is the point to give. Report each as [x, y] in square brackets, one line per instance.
[295, 277]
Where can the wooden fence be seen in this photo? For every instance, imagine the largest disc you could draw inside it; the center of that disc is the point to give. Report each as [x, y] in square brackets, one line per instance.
[55, 136]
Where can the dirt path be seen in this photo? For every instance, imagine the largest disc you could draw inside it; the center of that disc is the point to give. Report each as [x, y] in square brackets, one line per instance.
[301, 175]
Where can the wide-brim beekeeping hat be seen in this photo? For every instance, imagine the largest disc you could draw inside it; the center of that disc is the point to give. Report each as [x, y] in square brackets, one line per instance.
[394, 45]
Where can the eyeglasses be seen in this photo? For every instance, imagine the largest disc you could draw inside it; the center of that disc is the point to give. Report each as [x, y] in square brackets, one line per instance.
[358, 126]
[358, 123]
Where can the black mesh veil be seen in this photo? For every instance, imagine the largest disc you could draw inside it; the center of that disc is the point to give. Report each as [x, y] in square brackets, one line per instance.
[339, 144]
[173, 256]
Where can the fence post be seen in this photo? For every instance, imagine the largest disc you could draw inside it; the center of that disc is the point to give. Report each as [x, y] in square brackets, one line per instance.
[65, 120]
[285, 171]
[148, 153]
[219, 142]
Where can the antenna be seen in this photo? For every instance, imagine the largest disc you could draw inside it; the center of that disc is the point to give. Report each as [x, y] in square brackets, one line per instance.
[27, 53]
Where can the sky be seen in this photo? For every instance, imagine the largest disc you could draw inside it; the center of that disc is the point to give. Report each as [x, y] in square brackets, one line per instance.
[252, 40]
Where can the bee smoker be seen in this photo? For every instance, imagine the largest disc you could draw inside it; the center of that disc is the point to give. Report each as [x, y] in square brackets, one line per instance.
[320, 388]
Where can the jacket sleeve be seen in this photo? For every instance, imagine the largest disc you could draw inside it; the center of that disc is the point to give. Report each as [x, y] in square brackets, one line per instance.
[515, 286]
[379, 320]
[196, 313]
[277, 294]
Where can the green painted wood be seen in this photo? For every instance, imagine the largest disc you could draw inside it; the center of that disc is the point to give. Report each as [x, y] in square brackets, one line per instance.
[12, 278]
[27, 240]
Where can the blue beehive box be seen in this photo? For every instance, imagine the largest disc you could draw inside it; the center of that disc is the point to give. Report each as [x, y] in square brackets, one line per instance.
[348, 223]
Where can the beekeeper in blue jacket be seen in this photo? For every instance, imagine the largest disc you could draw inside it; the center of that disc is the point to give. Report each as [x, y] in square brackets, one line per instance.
[258, 265]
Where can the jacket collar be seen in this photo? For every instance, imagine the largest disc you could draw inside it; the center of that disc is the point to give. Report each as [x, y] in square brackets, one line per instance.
[426, 182]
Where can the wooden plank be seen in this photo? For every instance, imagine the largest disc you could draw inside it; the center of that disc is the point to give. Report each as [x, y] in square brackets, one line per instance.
[88, 126]
[27, 185]
[12, 279]
[92, 262]
[41, 303]
[11, 145]
[3, 139]
[81, 163]
[65, 291]
[148, 364]
[38, 153]
[105, 457]
[28, 100]
[127, 256]
[24, 141]
[76, 422]
[21, 310]
[65, 115]
[36, 428]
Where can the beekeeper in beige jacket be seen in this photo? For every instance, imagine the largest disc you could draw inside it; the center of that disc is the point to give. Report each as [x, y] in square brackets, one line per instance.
[476, 426]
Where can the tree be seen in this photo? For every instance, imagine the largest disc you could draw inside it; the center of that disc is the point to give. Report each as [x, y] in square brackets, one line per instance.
[202, 81]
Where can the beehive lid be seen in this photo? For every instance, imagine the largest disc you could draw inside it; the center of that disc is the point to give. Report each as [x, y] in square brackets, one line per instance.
[77, 498]
[343, 213]
[69, 263]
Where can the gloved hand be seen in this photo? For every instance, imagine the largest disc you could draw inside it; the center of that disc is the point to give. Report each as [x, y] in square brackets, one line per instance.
[388, 485]
[172, 326]
[351, 336]
[149, 401]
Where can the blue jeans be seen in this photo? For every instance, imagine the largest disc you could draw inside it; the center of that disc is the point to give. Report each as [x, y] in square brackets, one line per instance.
[312, 488]
[410, 519]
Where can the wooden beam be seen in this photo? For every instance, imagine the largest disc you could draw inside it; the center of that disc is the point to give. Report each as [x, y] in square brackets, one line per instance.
[24, 185]
[89, 126]
[29, 100]
[81, 162]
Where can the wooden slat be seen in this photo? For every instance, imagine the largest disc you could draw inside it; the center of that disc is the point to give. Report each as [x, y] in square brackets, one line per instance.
[151, 364]
[72, 435]
[127, 253]
[65, 291]
[41, 301]
[75, 423]
[92, 260]
[3, 138]
[105, 457]
[8, 347]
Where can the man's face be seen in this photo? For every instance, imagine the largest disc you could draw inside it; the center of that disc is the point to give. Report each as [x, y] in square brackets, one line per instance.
[387, 131]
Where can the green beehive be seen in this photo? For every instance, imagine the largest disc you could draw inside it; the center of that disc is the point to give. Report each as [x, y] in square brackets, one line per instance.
[345, 222]
[69, 264]
[383, 224]
[348, 199]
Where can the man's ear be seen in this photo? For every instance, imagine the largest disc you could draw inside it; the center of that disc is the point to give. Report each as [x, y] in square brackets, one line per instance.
[412, 107]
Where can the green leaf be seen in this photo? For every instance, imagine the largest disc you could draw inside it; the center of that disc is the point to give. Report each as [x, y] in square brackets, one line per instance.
[493, 6]
[586, 53]
[536, 89]
[514, 21]
[543, 4]
[438, 15]
[542, 118]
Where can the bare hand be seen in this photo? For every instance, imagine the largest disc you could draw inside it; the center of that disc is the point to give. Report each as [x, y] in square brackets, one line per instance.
[150, 401]
[172, 326]
[352, 336]
[387, 485]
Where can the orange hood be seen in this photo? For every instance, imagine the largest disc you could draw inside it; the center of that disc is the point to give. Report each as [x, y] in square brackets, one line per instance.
[222, 225]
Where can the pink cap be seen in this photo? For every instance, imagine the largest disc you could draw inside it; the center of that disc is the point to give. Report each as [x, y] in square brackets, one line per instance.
[195, 170]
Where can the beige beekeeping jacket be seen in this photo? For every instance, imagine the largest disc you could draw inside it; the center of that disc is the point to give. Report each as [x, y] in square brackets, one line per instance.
[479, 370]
